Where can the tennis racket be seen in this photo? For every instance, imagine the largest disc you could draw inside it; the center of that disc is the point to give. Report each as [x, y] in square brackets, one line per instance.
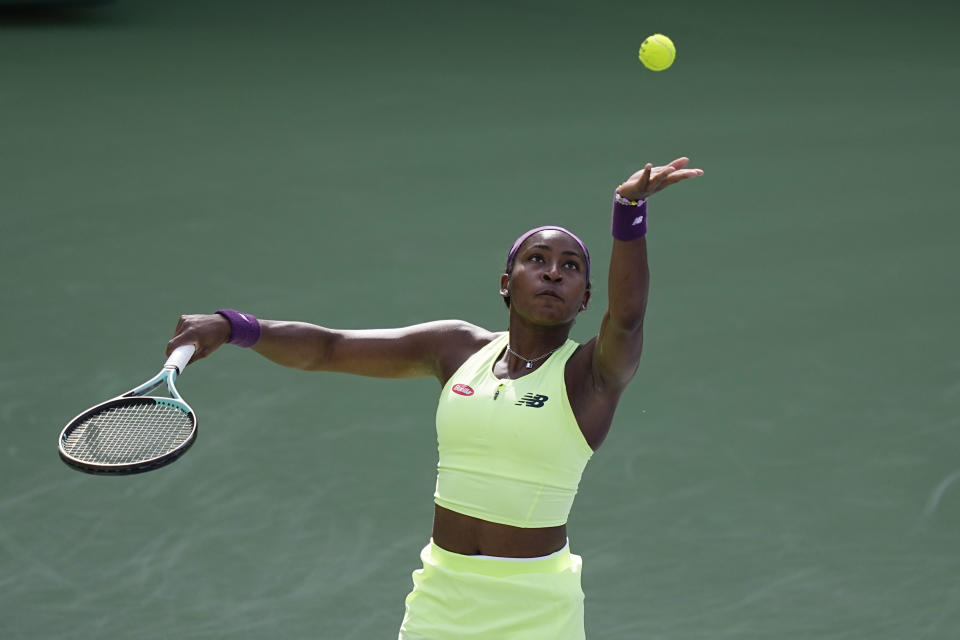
[134, 432]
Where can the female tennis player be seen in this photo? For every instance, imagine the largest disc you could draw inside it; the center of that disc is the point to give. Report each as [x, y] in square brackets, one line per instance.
[520, 414]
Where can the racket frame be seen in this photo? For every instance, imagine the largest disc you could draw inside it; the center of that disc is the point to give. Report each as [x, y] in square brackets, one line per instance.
[136, 396]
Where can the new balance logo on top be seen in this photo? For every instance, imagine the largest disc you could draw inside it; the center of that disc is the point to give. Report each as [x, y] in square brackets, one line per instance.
[532, 400]
[637, 220]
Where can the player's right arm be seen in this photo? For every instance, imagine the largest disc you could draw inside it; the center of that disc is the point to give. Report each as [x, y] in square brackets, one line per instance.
[428, 349]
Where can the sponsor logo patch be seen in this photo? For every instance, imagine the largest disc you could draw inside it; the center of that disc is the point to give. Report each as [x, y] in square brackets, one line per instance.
[534, 400]
[462, 389]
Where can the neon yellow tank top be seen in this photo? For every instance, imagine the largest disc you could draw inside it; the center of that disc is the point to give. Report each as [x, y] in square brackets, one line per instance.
[511, 451]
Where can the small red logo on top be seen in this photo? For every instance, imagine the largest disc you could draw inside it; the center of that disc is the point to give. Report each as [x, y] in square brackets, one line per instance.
[462, 390]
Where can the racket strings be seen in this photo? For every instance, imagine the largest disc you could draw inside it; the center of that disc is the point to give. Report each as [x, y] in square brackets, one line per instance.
[129, 433]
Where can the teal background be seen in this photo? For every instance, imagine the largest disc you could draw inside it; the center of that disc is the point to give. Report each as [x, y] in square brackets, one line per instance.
[786, 463]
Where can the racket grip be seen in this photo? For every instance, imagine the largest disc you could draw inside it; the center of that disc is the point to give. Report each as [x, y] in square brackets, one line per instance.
[180, 357]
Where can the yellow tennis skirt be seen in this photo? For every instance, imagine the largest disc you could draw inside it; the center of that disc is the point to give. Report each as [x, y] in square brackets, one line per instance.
[457, 597]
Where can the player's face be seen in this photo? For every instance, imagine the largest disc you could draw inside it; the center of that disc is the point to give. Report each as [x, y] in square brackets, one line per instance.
[548, 283]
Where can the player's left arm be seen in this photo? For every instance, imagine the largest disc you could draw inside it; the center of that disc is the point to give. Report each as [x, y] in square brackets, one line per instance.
[616, 353]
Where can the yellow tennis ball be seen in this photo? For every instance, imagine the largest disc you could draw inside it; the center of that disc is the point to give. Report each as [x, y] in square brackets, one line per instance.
[657, 52]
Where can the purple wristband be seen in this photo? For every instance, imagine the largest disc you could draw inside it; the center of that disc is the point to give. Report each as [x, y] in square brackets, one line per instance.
[629, 222]
[244, 328]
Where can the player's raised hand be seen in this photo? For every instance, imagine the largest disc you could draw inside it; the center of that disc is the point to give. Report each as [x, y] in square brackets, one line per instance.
[649, 180]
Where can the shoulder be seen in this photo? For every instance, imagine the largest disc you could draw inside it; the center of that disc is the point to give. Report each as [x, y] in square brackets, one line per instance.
[458, 341]
[464, 330]
[458, 334]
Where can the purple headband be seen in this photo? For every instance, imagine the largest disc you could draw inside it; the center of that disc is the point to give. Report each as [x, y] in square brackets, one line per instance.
[516, 245]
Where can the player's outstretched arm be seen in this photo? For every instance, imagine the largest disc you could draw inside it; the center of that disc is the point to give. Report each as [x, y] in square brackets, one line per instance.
[428, 349]
[620, 340]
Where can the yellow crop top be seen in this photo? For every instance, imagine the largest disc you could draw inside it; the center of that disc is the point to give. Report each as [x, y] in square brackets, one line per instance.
[511, 451]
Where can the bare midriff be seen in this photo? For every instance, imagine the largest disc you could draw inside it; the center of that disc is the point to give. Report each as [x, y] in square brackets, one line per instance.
[471, 536]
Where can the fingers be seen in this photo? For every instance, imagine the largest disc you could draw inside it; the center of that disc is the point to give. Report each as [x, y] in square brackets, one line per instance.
[179, 340]
[174, 343]
[650, 179]
[660, 180]
[679, 163]
[676, 176]
[171, 345]
[683, 174]
[205, 331]
[637, 176]
[645, 176]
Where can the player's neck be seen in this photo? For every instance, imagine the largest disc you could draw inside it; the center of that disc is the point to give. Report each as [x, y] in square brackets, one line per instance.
[530, 342]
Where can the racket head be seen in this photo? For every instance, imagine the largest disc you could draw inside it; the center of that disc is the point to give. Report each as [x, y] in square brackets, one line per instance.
[128, 435]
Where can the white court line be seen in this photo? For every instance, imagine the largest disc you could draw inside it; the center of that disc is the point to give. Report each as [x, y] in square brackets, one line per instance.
[937, 494]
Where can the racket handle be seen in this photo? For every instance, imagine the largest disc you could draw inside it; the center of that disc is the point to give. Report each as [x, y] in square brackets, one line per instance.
[180, 357]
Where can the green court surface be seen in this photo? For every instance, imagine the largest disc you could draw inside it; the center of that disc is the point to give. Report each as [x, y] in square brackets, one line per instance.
[787, 462]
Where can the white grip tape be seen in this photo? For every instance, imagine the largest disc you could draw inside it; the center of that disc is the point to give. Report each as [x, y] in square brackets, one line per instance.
[180, 357]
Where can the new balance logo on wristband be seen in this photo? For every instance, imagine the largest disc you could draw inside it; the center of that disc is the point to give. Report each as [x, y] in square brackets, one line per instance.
[532, 400]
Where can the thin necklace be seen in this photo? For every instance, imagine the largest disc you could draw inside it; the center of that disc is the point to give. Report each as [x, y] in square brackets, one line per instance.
[530, 361]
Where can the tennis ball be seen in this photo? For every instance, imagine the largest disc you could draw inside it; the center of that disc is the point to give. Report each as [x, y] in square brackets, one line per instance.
[657, 52]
